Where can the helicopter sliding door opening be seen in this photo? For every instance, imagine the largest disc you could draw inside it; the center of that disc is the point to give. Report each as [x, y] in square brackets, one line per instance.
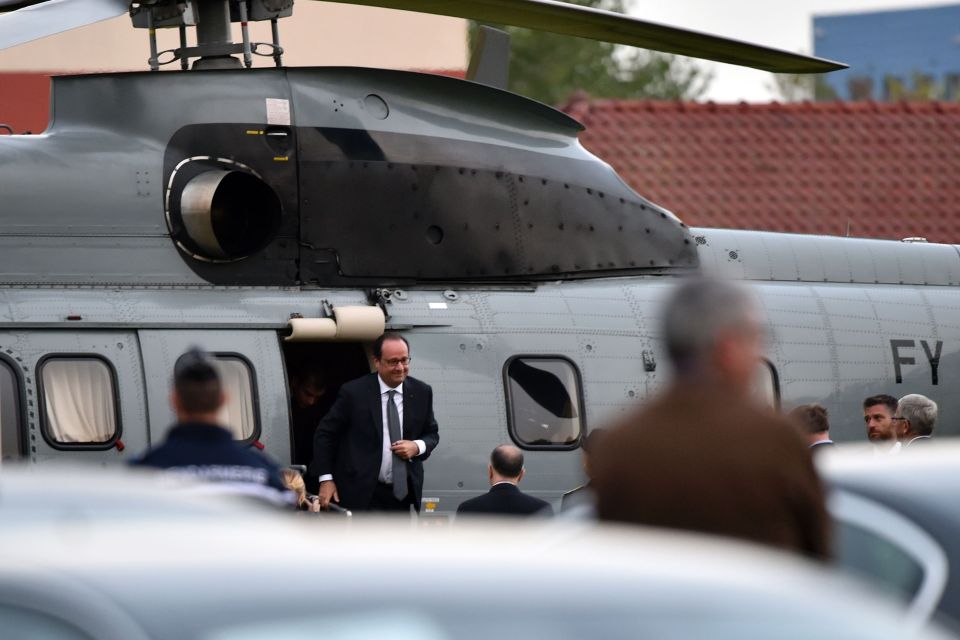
[315, 372]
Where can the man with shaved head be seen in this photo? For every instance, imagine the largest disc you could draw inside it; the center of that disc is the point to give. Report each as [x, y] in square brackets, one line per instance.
[706, 456]
[505, 498]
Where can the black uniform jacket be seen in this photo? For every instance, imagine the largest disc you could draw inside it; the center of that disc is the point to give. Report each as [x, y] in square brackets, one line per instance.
[209, 452]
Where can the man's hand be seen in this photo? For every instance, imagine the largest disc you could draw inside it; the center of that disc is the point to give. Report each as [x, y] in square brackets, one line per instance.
[327, 491]
[406, 449]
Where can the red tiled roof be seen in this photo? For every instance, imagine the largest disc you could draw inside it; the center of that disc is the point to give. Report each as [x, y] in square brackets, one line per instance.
[885, 170]
[24, 101]
[459, 74]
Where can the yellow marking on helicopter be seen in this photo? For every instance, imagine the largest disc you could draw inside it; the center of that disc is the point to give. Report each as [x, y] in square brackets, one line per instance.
[281, 158]
[254, 132]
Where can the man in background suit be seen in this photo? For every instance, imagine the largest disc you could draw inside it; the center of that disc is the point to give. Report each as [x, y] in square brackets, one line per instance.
[814, 425]
[914, 419]
[505, 498]
[582, 496]
[705, 456]
[370, 447]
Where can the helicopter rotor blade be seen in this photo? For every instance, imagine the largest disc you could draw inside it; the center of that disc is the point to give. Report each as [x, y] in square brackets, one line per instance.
[31, 21]
[597, 24]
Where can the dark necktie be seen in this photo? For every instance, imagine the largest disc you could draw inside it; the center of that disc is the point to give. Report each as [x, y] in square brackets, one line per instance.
[398, 464]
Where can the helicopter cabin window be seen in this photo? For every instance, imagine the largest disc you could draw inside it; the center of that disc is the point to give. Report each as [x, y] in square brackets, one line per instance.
[239, 412]
[766, 385]
[79, 401]
[11, 446]
[544, 402]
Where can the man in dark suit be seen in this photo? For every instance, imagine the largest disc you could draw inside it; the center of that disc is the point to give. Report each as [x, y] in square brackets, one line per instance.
[505, 498]
[582, 496]
[814, 425]
[370, 447]
[705, 455]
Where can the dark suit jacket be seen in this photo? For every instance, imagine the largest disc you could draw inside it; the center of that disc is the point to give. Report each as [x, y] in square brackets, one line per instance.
[701, 458]
[821, 445]
[506, 499]
[582, 495]
[348, 442]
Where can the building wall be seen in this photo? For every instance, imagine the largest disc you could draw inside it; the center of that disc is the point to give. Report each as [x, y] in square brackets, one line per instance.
[893, 55]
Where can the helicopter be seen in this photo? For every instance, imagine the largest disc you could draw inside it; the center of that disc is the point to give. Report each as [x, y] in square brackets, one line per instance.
[285, 217]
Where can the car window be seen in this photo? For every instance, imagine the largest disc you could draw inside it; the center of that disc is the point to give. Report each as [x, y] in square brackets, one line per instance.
[543, 401]
[869, 554]
[879, 544]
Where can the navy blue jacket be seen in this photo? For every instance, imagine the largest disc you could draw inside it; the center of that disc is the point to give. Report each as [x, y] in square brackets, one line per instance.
[209, 452]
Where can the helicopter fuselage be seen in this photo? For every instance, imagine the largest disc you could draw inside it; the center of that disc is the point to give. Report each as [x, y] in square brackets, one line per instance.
[170, 209]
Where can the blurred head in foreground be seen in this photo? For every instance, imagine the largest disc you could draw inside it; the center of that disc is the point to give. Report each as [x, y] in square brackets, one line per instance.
[714, 333]
[703, 456]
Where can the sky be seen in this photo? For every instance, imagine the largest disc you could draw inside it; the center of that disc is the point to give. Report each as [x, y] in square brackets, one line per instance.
[784, 24]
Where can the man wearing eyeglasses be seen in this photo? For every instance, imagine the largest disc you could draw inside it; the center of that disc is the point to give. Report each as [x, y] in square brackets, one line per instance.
[914, 419]
[370, 447]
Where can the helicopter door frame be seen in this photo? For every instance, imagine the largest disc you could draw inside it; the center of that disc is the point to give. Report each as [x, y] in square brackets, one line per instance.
[338, 362]
[13, 403]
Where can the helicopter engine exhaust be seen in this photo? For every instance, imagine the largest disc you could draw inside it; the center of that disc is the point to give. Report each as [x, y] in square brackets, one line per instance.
[229, 214]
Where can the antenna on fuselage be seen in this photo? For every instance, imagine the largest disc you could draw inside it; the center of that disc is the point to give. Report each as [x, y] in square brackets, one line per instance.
[211, 19]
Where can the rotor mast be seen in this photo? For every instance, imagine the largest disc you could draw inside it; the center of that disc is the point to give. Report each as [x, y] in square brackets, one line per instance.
[212, 21]
[214, 33]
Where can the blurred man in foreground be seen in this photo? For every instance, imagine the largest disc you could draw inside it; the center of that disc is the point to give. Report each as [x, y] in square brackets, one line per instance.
[704, 456]
[505, 472]
[198, 447]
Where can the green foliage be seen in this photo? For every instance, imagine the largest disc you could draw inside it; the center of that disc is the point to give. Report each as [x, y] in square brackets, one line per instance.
[920, 87]
[923, 87]
[551, 67]
[797, 87]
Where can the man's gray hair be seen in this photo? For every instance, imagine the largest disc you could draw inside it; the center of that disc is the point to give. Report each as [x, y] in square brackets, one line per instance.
[920, 410]
[698, 312]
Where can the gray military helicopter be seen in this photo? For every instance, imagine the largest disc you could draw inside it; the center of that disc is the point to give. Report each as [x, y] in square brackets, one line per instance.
[283, 217]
